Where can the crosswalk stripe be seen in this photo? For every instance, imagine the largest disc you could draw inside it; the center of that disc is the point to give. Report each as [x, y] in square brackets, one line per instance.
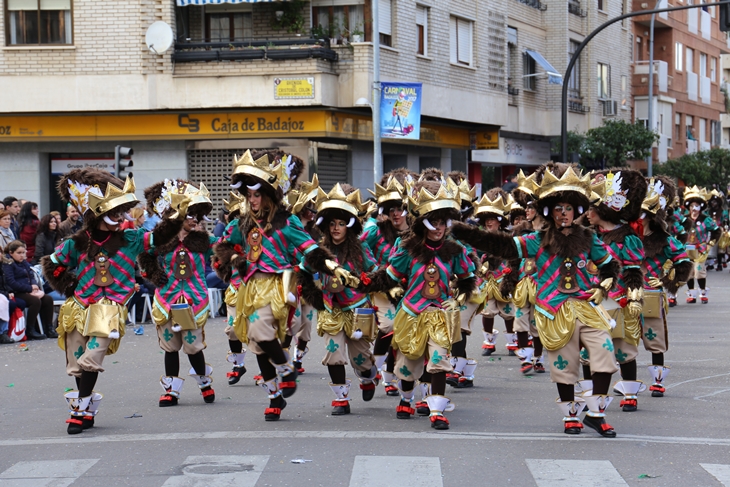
[219, 471]
[374, 471]
[54, 473]
[720, 472]
[586, 473]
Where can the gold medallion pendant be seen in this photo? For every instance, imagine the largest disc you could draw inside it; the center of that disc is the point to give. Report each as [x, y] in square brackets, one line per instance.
[181, 265]
[431, 276]
[567, 283]
[254, 244]
[102, 275]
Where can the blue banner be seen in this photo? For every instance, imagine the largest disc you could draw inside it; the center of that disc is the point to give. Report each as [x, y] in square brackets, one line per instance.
[400, 111]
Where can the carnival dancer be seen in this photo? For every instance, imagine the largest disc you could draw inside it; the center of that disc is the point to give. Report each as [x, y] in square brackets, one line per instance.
[567, 310]
[302, 201]
[615, 215]
[94, 268]
[271, 239]
[236, 204]
[427, 323]
[380, 236]
[717, 209]
[531, 354]
[345, 317]
[492, 211]
[666, 267]
[677, 225]
[180, 308]
[702, 236]
[464, 366]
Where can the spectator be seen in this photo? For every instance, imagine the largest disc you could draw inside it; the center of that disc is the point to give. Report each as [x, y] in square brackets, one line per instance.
[220, 224]
[6, 233]
[7, 308]
[46, 239]
[12, 205]
[2, 206]
[57, 216]
[510, 183]
[28, 221]
[21, 281]
[138, 215]
[151, 220]
[71, 224]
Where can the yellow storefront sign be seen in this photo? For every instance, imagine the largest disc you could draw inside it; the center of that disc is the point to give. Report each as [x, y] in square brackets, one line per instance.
[292, 88]
[226, 125]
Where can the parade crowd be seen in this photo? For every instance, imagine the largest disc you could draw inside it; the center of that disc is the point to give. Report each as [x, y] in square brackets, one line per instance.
[581, 268]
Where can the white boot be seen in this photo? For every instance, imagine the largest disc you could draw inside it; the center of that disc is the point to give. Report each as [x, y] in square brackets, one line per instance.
[467, 376]
[437, 404]
[204, 382]
[490, 342]
[596, 415]
[173, 387]
[630, 389]
[571, 411]
[583, 388]
[341, 405]
[77, 406]
[511, 344]
[236, 359]
[287, 379]
[93, 408]
[658, 374]
[526, 355]
[452, 378]
[703, 296]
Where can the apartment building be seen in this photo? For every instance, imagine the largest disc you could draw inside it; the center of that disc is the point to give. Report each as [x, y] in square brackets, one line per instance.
[78, 78]
[597, 90]
[687, 101]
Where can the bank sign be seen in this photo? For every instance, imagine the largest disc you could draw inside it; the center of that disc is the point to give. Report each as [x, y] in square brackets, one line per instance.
[400, 110]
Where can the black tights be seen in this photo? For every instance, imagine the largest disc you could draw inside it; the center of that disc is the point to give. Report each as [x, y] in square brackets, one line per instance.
[86, 382]
[628, 370]
[172, 363]
[272, 353]
[657, 359]
[337, 374]
[458, 349]
[437, 380]
[235, 346]
[601, 383]
[382, 343]
[701, 282]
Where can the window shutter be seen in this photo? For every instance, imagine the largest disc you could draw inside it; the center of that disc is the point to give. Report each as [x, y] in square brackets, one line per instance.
[15, 5]
[55, 4]
[420, 15]
[452, 39]
[463, 33]
[385, 17]
[331, 167]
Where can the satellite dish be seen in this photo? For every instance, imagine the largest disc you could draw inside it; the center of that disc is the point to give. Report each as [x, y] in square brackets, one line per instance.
[159, 37]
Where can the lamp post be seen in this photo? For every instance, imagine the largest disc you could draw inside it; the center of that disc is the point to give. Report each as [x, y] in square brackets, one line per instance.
[650, 106]
[377, 155]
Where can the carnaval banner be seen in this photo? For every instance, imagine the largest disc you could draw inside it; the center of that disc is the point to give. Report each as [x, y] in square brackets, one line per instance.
[400, 110]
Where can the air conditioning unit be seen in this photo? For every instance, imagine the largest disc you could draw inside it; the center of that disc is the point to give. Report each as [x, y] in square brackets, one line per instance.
[609, 108]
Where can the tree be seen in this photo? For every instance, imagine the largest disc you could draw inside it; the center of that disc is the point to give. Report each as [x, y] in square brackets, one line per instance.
[576, 140]
[705, 168]
[616, 142]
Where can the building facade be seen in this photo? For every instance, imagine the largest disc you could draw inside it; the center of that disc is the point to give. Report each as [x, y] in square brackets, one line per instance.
[687, 101]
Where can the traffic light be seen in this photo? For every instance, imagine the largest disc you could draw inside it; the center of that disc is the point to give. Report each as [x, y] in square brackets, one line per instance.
[123, 160]
[725, 17]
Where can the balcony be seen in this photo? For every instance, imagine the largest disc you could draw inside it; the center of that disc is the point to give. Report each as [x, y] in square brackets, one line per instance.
[534, 4]
[662, 81]
[574, 8]
[186, 52]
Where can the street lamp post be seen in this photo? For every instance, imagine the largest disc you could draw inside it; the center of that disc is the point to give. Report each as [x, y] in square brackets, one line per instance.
[377, 148]
[650, 106]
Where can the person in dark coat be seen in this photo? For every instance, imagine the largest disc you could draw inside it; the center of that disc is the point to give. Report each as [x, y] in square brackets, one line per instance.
[46, 238]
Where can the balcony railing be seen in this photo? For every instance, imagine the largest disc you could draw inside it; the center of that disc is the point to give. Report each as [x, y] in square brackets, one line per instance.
[578, 106]
[186, 52]
[534, 4]
[574, 8]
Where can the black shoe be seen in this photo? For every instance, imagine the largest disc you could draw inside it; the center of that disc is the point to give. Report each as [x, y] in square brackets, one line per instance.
[422, 408]
[51, 333]
[75, 425]
[573, 427]
[340, 408]
[235, 375]
[5, 339]
[298, 367]
[600, 425]
[511, 353]
[167, 400]
[273, 412]
[368, 391]
[464, 383]
[404, 410]
[34, 336]
[87, 422]
[208, 394]
[452, 379]
[439, 422]
[486, 352]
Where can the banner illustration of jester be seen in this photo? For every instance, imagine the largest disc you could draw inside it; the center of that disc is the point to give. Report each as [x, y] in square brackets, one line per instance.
[400, 110]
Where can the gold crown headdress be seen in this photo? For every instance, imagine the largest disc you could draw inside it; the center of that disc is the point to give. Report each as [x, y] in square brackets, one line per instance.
[112, 198]
[307, 192]
[467, 192]
[568, 182]
[393, 191]
[275, 174]
[423, 201]
[694, 193]
[164, 200]
[652, 202]
[714, 194]
[235, 202]
[513, 205]
[198, 196]
[498, 205]
[526, 184]
[337, 199]
[656, 188]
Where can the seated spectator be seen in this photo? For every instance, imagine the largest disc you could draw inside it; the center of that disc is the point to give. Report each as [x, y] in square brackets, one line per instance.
[21, 281]
[13, 207]
[28, 221]
[71, 224]
[138, 215]
[6, 232]
[46, 239]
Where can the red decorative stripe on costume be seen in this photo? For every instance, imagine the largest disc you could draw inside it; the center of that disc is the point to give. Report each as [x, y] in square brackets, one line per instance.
[574, 424]
[405, 409]
[439, 417]
[367, 387]
[74, 421]
[207, 393]
[340, 403]
[287, 385]
[276, 411]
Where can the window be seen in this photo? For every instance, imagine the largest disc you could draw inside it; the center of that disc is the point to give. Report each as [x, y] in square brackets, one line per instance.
[604, 81]
[512, 60]
[460, 33]
[422, 29]
[690, 60]
[639, 51]
[677, 125]
[624, 92]
[228, 26]
[703, 65]
[600, 4]
[713, 68]
[38, 22]
[340, 21]
[385, 22]
[574, 82]
[529, 72]
[678, 48]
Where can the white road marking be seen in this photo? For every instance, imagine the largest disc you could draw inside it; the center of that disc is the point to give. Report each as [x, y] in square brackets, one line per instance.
[694, 380]
[53, 473]
[720, 472]
[358, 435]
[372, 471]
[586, 473]
[219, 471]
[699, 398]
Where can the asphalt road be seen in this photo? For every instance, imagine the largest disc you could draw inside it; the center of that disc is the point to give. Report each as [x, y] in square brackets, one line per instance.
[505, 431]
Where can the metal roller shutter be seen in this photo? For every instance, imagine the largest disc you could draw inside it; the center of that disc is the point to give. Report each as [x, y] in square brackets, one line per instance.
[332, 167]
[211, 167]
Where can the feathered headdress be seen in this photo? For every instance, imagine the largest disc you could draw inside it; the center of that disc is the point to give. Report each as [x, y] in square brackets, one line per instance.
[97, 191]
